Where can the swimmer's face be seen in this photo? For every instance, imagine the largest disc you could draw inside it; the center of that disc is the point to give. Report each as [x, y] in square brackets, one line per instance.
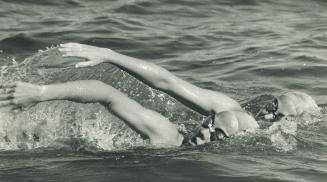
[204, 135]
[270, 111]
[201, 136]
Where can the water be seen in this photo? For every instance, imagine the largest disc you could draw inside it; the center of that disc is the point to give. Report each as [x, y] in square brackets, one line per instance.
[249, 49]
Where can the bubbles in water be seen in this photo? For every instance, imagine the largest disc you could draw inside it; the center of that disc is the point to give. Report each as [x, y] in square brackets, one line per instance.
[282, 134]
[12, 73]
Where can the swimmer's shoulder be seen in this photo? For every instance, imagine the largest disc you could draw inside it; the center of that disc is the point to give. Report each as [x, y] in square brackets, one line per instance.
[298, 100]
[175, 139]
[245, 120]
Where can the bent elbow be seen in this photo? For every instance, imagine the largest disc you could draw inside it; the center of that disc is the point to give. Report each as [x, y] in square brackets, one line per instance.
[161, 84]
[164, 84]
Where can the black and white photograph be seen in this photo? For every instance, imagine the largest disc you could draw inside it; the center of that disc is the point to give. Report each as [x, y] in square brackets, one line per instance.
[163, 90]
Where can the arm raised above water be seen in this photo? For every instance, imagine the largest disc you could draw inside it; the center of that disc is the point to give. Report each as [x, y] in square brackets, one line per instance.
[144, 121]
[202, 100]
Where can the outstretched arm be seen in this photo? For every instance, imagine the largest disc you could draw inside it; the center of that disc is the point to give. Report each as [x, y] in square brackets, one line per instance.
[202, 100]
[144, 121]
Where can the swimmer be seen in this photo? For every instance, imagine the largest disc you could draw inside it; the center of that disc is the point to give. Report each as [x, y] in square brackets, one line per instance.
[225, 115]
[288, 104]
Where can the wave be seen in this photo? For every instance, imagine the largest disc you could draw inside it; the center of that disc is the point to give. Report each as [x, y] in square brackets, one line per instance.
[20, 43]
[72, 3]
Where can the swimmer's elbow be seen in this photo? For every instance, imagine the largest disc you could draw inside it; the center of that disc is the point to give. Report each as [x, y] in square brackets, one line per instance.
[165, 83]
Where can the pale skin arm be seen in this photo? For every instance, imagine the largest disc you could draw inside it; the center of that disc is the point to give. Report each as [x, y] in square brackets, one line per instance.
[201, 100]
[144, 121]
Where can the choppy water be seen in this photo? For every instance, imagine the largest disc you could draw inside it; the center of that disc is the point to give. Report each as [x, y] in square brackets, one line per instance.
[248, 49]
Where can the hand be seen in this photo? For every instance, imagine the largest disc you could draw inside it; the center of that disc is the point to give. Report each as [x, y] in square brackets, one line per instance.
[94, 55]
[18, 95]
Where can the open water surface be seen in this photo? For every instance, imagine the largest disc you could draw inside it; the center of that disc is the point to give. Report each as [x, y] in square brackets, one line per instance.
[248, 49]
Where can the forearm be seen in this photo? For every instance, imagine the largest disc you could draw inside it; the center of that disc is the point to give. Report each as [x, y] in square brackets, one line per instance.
[144, 121]
[161, 79]
[81, 91]
[154, 75]
[200, 100]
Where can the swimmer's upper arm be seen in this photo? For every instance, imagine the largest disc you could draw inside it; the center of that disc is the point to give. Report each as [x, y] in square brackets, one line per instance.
[159, 78]
[146, 122]
[227, 122]
[201, 100]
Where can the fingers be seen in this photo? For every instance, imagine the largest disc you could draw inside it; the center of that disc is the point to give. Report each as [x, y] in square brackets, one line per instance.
[70, 44]
[67, 52]
[6, 103]
[84, 64]
[8, 85]
[9, 90]
[6, 96]
[72, 51]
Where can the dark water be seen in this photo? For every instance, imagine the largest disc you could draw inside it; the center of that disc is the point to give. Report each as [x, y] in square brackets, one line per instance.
[248, 49]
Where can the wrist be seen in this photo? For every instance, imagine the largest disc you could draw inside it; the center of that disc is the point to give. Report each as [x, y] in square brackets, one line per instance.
[42, 93]
[109, 55]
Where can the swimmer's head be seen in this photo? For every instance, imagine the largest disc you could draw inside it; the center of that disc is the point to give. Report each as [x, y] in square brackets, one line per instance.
[270, 111]
[208, 132]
